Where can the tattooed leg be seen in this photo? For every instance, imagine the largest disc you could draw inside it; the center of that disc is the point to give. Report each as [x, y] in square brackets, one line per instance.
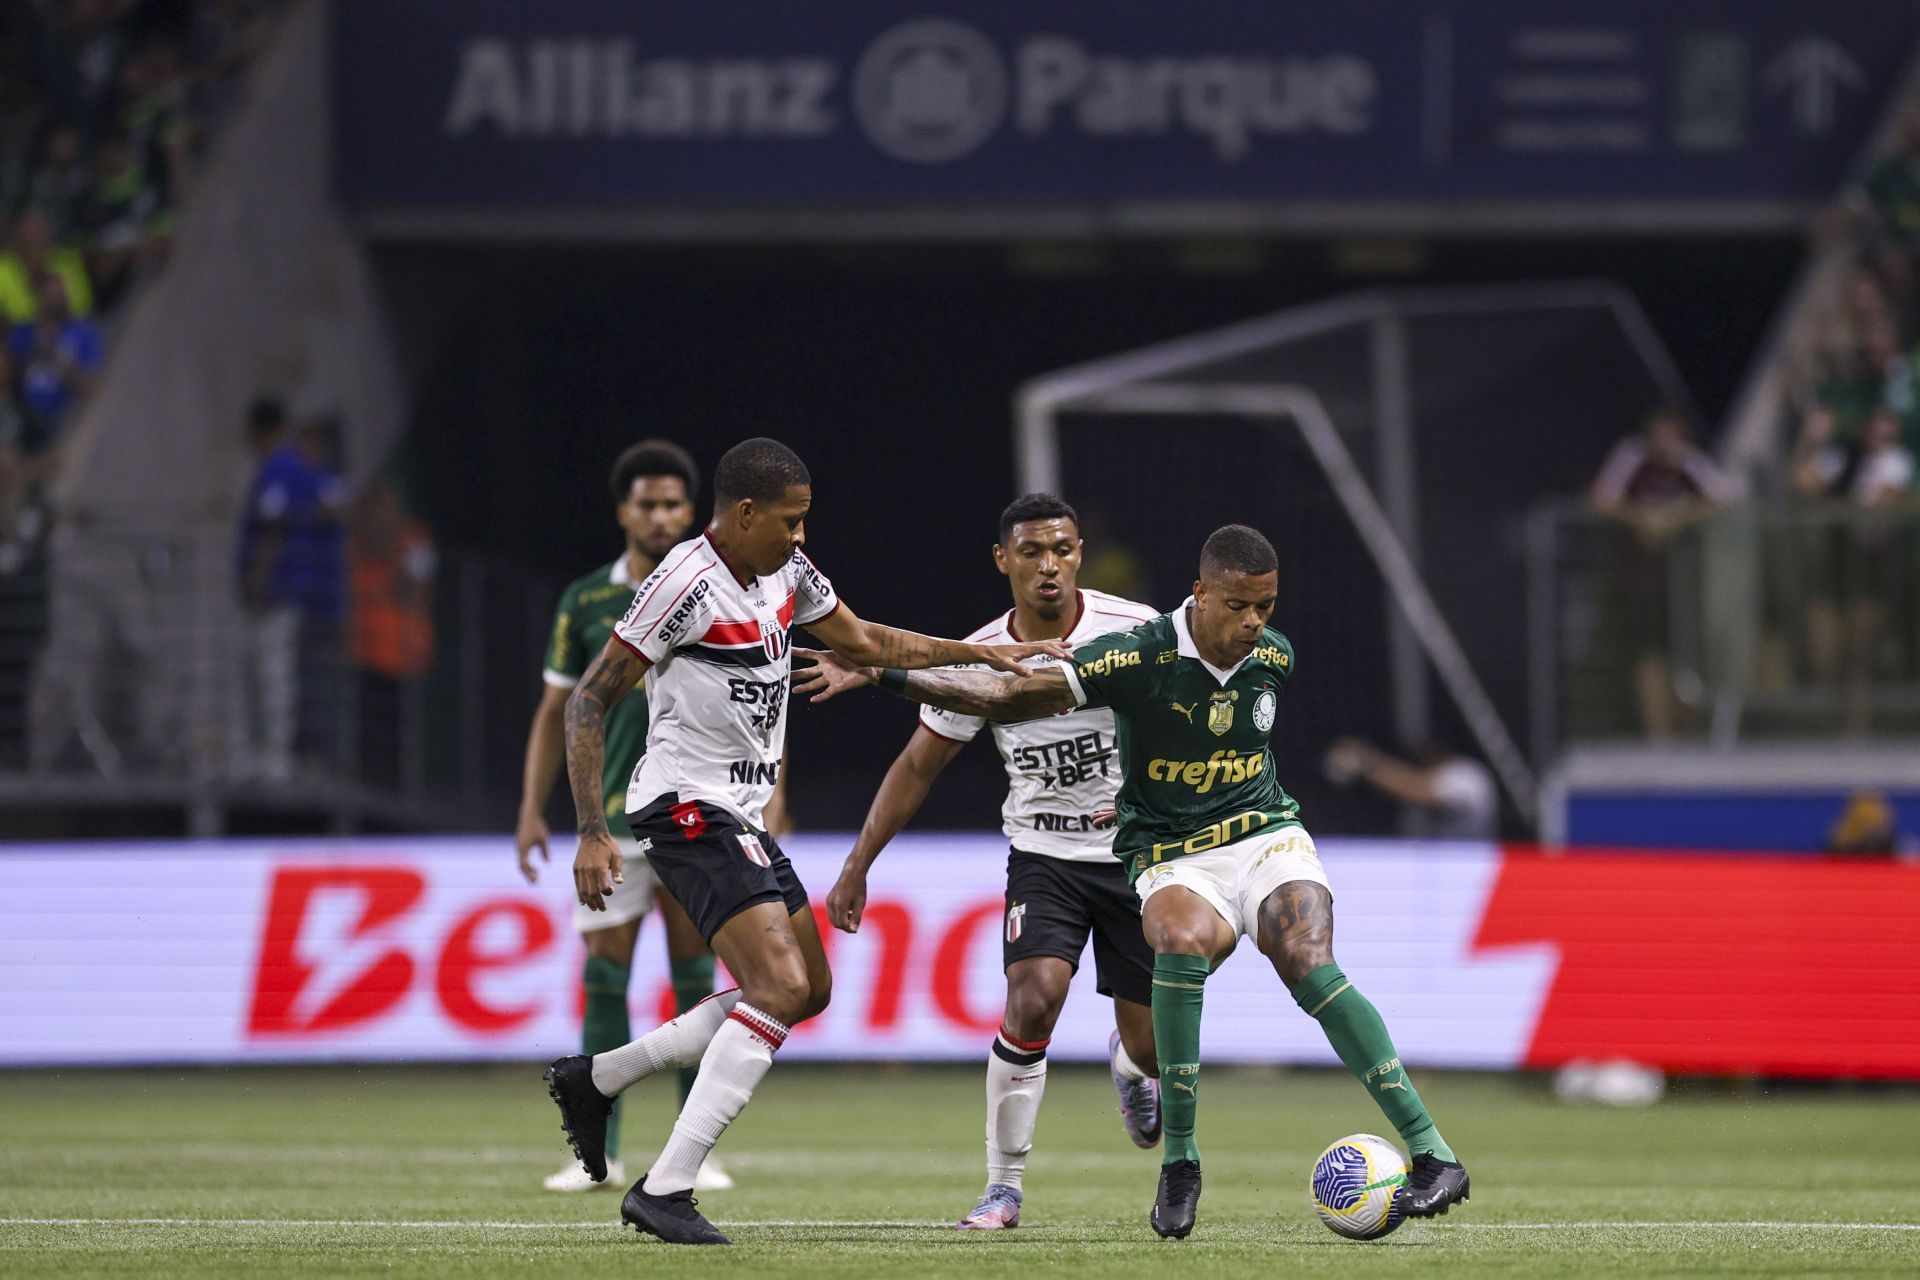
[1296, 934]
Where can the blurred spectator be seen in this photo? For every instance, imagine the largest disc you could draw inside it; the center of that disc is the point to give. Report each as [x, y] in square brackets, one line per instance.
[290, 593]
[31, 254]
[1865, 826]
[58, 355]
[266, 697]
[153, 112]
[225, 36]
[391, 568]
[1653, 484]
[1450, 797]
[80, 46]
[20, 426]
[1855, 563]
[61, 179]
[122, 217]
[1888, 202]
[24, 526]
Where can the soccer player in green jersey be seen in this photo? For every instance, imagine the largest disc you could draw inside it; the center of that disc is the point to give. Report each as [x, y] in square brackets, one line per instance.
[655, 484]
[1212, 843]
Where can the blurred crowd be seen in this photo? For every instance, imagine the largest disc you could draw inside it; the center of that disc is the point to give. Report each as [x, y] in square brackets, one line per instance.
[104, 109]
[1842, 557]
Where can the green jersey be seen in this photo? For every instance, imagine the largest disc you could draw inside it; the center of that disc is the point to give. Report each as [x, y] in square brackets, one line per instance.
[1196, 768]
[588, 611]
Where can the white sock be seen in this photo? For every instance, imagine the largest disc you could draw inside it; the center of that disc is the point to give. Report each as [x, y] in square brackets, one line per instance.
[1016, 1077]
[678, 1043]
[1124, 1064]
[739, 1056]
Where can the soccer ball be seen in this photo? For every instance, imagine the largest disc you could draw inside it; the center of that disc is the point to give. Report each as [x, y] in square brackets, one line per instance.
[1355, 1186]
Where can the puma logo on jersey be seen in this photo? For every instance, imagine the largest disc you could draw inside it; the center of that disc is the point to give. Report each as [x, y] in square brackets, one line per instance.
[1183, 1086]
[1186, 711]
[1392, 1084]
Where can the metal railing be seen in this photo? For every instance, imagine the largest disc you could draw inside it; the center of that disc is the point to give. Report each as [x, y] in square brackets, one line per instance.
[130, 674]
[1789, 620]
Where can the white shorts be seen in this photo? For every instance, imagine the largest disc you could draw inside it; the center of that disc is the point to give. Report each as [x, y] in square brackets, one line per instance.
[630, 899]
[1236, 878]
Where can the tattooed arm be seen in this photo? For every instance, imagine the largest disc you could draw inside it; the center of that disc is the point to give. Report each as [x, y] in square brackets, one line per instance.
[596, 867]
[869, 644]
[990, 695]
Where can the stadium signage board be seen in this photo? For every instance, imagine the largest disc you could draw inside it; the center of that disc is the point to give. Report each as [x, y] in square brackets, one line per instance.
[756, 104]
[1481, 956]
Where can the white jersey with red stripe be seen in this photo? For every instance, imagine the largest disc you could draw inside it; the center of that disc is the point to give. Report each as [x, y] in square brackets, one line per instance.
[717, 690]
[1060, 768]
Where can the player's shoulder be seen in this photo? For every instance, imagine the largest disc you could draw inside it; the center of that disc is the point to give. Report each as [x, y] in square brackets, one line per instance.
[1115, 613]
[1126, 646]
[996, 630]
[1274, 649]
[679, 566]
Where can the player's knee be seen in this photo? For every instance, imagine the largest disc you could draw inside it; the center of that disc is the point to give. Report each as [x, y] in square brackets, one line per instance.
[782, 992]
[819, 996]
[1033, 1007]
[1294, 956]
[614, 945]
[1177, 938]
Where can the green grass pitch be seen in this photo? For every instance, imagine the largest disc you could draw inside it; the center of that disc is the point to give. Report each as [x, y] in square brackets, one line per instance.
[849, 1172]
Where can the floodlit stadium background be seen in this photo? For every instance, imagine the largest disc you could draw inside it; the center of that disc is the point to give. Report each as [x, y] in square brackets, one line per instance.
[1389, 282]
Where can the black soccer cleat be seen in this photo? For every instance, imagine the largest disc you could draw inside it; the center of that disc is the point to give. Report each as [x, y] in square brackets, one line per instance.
[1432, 1186]
[583, 1111]
[672, 1217]
[1179, 1197]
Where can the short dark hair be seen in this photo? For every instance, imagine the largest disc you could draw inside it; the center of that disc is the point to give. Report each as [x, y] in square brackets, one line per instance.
[265, 416]
[1034, 506]
[760, 469]
[654, 458]
[1236, 548]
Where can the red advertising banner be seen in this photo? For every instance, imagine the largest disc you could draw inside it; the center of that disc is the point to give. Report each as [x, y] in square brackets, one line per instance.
[1478, 956]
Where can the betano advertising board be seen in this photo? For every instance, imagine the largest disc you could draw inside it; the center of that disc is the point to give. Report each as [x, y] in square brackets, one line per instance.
[1478, 955]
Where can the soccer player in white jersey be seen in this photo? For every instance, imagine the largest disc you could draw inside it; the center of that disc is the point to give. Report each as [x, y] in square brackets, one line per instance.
[1063, 882]
[655, 484]
[709, 632]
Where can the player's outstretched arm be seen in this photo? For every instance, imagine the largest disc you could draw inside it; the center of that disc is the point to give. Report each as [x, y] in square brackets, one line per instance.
[868, 644]
[991, 695]
[900, 796]
[596, 867]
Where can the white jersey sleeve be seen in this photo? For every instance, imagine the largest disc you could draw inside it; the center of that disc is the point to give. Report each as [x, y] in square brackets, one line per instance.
[673, 607]
[813, 595]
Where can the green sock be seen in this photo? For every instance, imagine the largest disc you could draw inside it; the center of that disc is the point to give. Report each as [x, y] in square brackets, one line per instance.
[1356, 1032]
[1179, 989]
[692, 983]
[605, 1025]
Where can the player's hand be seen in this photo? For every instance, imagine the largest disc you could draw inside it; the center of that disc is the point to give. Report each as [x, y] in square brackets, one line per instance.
[1011, 658]
[1346, 760]
[1104, 818]
[596, 869]
[830, 675]
[531, 833]
[847, 900]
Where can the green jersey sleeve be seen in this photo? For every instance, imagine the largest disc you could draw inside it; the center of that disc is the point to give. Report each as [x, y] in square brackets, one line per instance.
[566, 657]
[1276, 652]
[1111, 670]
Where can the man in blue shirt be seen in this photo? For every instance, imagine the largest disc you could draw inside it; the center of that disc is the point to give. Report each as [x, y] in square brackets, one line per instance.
[291, 570]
